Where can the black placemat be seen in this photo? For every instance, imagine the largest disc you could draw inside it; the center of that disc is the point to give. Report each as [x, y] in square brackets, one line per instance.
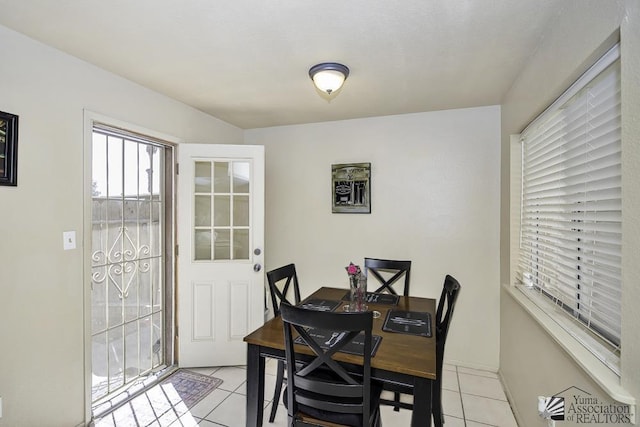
[374, 298]
[326, 339]
[408, 322]
[320, 304]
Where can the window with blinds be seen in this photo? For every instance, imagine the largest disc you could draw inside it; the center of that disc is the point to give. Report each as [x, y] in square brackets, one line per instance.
[571, 224]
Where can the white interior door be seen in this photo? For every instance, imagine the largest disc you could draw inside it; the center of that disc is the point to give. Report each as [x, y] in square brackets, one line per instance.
[221, 237]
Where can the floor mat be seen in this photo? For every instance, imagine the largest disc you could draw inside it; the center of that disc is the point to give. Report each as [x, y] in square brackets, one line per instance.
[189, 386]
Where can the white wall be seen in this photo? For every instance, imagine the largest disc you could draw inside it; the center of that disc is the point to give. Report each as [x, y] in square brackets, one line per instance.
[531, 362]
[41, 286]
[435, 201]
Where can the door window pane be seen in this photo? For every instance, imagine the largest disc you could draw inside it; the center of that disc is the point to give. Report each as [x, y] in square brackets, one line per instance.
[145, 227]
[99, 166]
[203, 177]
[241, 175]
[148, 350]
[157, 173]
[157, 281]
[144, 288]
[98, 299]
[114, 167]
[131, 168]
[157, 334]
[241, 211]
[99, 365]
[99, 232]
[116, 359]
[145, 170]
[222, 206]
[156, 229]
[130, 291]
[241, 244]
[221, 177]
[222, 244]
[203, 245]
[132, 351]
[115, 315]
[203, 211]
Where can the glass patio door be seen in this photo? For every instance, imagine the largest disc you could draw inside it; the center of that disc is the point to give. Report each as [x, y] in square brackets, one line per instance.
[131, 276]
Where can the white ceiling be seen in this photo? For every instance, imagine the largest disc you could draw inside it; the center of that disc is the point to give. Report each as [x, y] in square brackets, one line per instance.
[246, 61]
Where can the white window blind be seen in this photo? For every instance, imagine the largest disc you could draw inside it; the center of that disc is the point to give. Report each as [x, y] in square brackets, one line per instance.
[571, 225]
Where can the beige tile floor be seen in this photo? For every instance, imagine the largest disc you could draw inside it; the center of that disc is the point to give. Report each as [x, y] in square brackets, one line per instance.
[470, 398]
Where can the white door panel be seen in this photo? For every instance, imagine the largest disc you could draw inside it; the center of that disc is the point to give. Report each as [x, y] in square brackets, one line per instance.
[220, 228]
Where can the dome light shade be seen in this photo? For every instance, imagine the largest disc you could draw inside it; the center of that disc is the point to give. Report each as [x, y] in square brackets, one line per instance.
[328, 76]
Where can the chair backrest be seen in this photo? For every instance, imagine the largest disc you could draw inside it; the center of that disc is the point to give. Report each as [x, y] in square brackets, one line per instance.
[281, 281]
[322, 383]
[388, 272]
[448, 298]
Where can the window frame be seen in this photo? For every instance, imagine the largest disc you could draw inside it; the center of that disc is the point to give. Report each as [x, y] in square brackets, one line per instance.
[606, 349]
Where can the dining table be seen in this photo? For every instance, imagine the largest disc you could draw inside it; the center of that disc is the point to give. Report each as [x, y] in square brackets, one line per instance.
[401, 358]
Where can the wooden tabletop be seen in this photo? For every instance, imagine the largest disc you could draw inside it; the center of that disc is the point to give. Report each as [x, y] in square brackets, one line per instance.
[402, 353]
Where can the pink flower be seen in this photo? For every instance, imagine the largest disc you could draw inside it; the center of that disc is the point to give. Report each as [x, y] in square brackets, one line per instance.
[353, 270]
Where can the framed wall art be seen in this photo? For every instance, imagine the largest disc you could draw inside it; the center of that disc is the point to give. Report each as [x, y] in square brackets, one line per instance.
[8, 149]
[351, 188]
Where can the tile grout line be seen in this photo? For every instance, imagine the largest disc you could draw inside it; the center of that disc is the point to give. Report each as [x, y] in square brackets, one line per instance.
[216, 407]
[476, 395]
[487, 397]
[153, 409]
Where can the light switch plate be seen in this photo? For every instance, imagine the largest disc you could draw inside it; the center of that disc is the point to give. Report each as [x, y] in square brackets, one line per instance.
[69, 240]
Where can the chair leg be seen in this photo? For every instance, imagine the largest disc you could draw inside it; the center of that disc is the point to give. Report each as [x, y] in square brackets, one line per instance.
[436, 404]
[438, 421]
[277, 391]
[396, 399]
[377, 418]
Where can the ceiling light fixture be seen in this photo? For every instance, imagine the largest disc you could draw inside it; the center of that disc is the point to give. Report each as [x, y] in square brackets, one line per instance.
[329, 76]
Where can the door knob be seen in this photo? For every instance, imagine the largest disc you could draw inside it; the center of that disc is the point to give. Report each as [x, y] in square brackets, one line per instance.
[257, 267]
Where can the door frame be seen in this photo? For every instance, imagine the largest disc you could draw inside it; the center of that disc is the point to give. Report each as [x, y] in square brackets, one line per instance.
[89, 118]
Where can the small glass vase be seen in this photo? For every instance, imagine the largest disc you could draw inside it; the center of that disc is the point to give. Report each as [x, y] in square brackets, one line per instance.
[358, 295]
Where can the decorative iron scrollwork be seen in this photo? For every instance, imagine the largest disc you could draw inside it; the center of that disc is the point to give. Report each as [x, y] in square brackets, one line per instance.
[123, 258]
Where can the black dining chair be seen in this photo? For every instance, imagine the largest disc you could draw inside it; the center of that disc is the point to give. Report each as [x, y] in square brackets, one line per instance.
[387, 272]
[282, 282]
[444, 313]
[446, 304]
[321, 391]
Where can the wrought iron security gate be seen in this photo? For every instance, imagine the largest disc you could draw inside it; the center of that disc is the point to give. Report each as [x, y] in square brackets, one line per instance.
[131, 275]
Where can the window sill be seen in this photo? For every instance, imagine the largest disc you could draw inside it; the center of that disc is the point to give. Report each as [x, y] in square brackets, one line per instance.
[592, 366]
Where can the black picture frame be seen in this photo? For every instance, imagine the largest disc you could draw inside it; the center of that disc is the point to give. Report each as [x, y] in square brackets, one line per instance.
[351, 188]
[8, 149]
